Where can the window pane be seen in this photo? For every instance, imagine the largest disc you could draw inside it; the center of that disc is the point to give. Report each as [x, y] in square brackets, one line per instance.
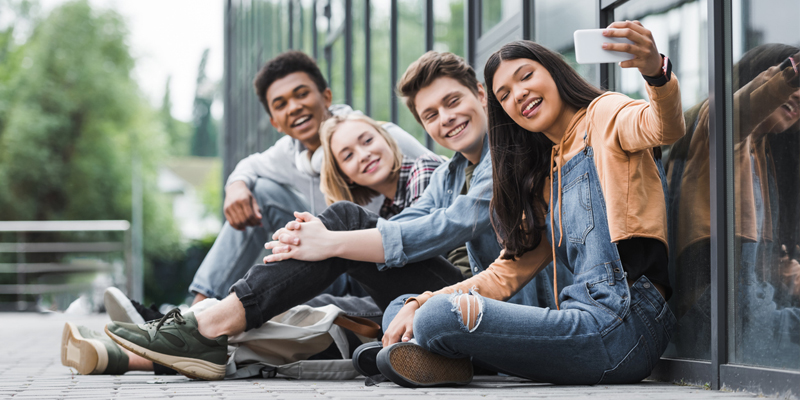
[766, 273]
[380, 92]
[337, 73]
[411, 45]
[554, 23]
[679, 29]
[448, 18]
[307, 43]
[322, 34]
[493, 12]
[359, 56]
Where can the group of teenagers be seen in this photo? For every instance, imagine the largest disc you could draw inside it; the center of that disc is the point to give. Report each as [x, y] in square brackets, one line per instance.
[548, 170]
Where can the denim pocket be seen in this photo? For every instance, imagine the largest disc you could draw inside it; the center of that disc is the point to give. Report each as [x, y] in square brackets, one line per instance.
[577, 212]
[634, 367]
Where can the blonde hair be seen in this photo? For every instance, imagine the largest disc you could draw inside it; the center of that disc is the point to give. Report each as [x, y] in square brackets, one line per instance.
[333, 181]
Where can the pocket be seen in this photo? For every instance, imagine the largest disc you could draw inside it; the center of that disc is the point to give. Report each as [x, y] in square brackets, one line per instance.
[667, 320]
[634, 367]
[577, 212]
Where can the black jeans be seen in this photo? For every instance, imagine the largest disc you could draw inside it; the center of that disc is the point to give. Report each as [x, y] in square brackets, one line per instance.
[270, 289]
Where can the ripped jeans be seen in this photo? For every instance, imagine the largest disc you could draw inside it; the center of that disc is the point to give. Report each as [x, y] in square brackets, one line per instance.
[605, 331]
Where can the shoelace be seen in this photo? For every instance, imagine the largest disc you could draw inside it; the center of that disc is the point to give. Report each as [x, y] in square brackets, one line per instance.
[171, 316]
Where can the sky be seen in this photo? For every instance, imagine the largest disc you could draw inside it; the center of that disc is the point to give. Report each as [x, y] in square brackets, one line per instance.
[167, 38]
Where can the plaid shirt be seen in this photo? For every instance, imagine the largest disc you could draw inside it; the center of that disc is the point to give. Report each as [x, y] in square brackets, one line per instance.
[414, 178]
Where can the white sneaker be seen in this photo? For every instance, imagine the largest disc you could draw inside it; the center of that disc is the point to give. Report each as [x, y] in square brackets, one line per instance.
[120, 308]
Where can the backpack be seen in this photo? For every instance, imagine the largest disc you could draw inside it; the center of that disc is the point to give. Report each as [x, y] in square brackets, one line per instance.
[282, 346]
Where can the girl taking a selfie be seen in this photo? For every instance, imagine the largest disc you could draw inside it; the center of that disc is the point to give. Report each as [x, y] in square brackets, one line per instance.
[577, 180]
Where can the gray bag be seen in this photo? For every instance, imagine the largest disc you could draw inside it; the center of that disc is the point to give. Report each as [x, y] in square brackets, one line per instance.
[282, 346]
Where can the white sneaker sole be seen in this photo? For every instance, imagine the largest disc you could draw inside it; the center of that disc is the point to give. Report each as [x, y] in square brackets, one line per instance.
[120, 308]
[88, 356]
[190, 367]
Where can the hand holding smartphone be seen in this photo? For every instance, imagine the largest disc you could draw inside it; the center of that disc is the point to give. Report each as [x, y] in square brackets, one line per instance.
[589, 47]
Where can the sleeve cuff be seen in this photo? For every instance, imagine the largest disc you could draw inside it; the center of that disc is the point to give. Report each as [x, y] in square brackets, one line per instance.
[658, 92]
[421, 299]
[392, 242]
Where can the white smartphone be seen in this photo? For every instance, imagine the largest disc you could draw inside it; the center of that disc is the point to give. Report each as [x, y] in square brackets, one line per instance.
[589, 47]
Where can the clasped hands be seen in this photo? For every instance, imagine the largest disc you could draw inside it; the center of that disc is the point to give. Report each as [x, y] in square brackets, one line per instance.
[306, 238]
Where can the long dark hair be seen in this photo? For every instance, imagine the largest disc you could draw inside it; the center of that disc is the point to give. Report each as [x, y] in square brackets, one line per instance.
[520, 158]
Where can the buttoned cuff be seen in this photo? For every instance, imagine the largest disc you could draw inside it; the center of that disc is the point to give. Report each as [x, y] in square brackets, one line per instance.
[392, 245]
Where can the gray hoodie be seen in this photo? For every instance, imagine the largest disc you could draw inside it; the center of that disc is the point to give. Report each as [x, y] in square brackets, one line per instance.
[284, 163]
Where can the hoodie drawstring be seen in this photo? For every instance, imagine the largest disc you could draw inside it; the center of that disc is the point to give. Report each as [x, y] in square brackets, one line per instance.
[560, 227]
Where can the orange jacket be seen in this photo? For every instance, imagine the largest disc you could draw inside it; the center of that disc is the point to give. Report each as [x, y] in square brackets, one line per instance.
[622, 133]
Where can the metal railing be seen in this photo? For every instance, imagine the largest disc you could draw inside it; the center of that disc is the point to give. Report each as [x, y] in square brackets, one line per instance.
[41, 258]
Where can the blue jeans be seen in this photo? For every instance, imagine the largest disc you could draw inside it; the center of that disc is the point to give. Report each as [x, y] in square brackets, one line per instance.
[605, 332]
[235, 251]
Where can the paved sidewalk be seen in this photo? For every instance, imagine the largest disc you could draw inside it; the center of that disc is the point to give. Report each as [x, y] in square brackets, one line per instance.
[30, 368]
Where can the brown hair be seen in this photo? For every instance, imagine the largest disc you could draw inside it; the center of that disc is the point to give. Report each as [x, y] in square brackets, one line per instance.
[520, 159]
[430, 67]
[333, 182]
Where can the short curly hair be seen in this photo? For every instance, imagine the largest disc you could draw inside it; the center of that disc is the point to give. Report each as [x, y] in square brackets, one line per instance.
[282, 65]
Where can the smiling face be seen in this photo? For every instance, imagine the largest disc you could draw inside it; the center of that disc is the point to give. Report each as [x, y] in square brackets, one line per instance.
[454, 116]
[298, 107]
[786, 115]
[362, 154]
[528, 94]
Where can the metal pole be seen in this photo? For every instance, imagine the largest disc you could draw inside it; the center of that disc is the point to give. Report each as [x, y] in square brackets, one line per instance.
[393, 59]
[314, 43]
[720, 160]
[328, 49]
[367, 60]
[348, 52]
[136, 228]
[291, 24]
[471, 28]
[430, 34]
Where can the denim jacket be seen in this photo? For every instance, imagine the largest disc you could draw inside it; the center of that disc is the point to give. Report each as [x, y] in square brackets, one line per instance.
[443, 219]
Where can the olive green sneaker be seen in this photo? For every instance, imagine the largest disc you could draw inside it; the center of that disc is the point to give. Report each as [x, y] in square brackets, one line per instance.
[90, 352]
[175, 342]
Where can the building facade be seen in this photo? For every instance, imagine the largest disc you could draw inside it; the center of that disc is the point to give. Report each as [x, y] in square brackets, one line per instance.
[734, 200]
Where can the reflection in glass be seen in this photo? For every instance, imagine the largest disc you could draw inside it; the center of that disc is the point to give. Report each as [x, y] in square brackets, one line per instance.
[680, 33]
[766, 103]
[554, 23]
[495, 11]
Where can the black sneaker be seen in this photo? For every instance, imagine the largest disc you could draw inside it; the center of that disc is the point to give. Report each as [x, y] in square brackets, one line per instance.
[365, 358]
[408, 364]
[120, 308]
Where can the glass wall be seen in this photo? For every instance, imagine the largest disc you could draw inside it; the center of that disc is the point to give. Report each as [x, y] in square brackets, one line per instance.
[554, 21]
[766, 103]
[679, 30]
[410, 45]
[494, 12]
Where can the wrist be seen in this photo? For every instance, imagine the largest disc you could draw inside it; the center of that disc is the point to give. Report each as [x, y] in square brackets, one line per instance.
[663, 75]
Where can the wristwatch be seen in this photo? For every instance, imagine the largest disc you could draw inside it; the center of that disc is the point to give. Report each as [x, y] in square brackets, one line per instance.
[666, 73]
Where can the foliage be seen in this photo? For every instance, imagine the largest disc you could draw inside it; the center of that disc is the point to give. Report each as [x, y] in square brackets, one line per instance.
[71, 121]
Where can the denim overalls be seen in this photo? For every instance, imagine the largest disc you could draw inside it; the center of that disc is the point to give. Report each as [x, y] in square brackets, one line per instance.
[605, 331]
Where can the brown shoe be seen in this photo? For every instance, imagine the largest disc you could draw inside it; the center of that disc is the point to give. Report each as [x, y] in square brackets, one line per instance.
[409, 365]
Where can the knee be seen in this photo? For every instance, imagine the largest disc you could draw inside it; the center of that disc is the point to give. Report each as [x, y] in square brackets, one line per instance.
[264, 187]
[458, 311]
[342, 209]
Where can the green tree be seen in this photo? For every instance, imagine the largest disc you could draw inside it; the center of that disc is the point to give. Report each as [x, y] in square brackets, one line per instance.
[178, 132]
[73, 117]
